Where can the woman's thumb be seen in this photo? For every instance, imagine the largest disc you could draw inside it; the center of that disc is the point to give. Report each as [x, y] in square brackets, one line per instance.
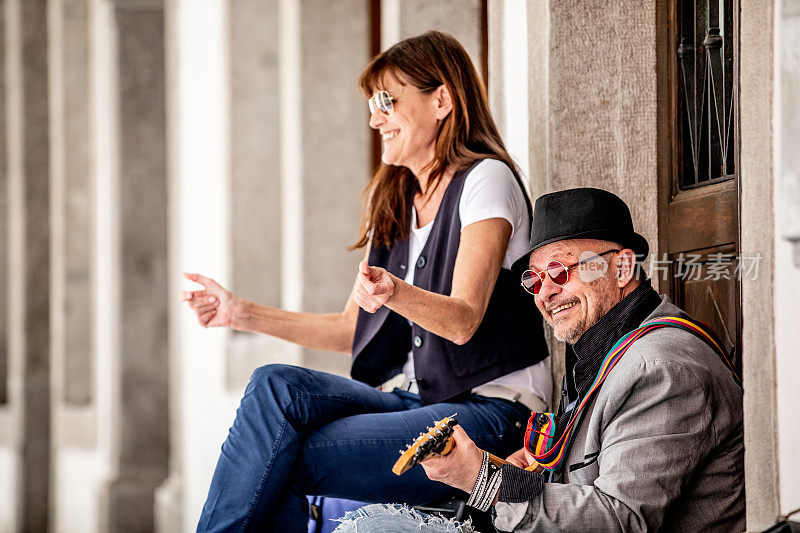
[365, 268]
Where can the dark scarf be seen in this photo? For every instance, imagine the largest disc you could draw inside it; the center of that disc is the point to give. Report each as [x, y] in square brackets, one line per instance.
[583, 359]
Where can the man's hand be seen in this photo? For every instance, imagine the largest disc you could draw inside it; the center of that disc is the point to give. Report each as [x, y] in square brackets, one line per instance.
[460, 467]
[521, 458]
[374, 288]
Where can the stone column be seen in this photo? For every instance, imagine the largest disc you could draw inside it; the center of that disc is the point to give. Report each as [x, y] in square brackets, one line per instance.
[758, 236]
[201, 406]
[72, 325]
[299, 161]
[789, 43]
[140, 409]
[72, 328]
[256, 225]
[335, 158]
[496, 55]
[73, 395]
[538, 14]
[3, 220]
[508, 76]
[7, 464]
[28, 138]
[787, 264]
[463, 19]
[168, 513]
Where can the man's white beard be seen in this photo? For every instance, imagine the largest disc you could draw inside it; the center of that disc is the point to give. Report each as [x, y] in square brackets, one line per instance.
[570, 335]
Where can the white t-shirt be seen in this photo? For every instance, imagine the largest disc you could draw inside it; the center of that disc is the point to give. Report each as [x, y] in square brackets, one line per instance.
[490, 191]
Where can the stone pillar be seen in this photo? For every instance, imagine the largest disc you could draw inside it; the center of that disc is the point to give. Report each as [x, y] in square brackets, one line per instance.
[538, 15]
[758, 296]
[508, 76]
[168, 511]
[201, 406]
[256, 225]
[73, 350]
[334, 159]
[463, 19]
[496, 55]
[29, 249]
[292, 94]
[789, 44]
[3, 220]
[787, 256]
[73, 395]
[140, 407]
[72, 325]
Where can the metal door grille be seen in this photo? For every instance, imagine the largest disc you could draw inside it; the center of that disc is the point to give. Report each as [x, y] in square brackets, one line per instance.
[706, 130]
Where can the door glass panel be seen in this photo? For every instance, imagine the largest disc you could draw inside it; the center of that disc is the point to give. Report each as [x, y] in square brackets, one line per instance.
[705, 67]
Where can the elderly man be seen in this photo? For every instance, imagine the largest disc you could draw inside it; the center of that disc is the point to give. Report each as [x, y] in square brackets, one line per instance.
[655, 445]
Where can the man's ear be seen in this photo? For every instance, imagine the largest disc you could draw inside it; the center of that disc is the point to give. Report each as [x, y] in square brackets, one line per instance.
[443, 102]
[626, 267]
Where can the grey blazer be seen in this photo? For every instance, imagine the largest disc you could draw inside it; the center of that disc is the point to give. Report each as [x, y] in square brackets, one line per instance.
[660, 448]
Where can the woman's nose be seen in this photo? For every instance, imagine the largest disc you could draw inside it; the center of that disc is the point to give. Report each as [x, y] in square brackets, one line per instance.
[376, 119]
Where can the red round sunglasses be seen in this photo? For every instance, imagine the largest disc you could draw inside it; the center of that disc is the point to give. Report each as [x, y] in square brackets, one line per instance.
[556, 271]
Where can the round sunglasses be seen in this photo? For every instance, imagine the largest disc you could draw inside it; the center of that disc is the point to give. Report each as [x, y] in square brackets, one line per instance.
[557, 272]
[382, 101]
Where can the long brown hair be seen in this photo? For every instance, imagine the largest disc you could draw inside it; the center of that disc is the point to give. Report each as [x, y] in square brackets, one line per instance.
[467, 134]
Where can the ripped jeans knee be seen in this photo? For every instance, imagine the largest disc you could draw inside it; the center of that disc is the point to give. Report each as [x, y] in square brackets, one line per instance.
[394, 518]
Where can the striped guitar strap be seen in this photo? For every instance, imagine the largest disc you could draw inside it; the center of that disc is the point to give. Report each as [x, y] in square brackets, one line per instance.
[540, 437]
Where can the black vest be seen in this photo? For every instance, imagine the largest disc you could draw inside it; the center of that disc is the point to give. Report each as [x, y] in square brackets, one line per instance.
[509, 338]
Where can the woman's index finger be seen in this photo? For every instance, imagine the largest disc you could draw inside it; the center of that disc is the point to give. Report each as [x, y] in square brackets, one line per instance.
[197, 278]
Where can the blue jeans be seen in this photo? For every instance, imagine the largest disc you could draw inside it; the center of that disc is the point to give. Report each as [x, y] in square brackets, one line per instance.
[300, 431]
[392, 518]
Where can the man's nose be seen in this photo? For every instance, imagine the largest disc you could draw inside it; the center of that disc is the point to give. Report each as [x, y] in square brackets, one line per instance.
[548, 289]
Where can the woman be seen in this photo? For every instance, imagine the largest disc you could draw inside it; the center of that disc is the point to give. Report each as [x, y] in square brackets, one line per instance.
[446, 213]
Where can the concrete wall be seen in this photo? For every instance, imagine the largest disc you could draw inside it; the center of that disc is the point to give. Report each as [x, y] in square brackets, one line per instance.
[593, 106]
[601, 102]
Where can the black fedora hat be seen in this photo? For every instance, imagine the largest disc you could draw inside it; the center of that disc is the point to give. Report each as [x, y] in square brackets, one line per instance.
[584, 213]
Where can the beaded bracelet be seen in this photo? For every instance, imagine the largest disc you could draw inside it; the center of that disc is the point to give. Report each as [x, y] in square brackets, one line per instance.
[486, 486]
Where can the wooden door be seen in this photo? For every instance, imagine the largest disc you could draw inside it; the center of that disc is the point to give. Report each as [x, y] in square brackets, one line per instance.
[700, 226]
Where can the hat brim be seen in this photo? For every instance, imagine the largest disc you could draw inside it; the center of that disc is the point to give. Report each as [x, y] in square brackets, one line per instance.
[630, 240]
